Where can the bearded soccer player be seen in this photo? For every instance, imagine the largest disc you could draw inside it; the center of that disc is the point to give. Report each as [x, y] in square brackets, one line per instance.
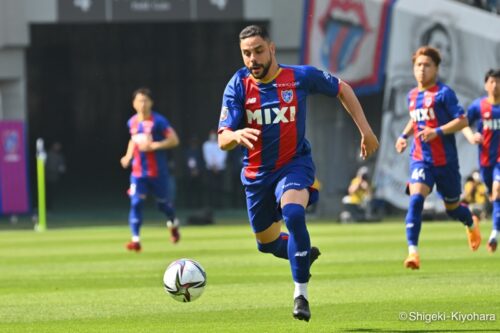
[485, 112]
[264, 112]
[435, 116]
[151, 134]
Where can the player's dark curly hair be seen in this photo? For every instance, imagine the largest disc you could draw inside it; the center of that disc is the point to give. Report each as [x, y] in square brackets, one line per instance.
[428, 51]
[254, 30]
[492, 73]
[143, 91]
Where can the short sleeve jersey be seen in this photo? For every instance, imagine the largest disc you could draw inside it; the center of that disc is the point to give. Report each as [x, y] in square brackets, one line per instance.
[486, 116]
[155, 128]
[278, 109]
[433, 108]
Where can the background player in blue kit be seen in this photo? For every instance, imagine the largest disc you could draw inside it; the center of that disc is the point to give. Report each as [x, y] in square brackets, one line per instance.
[264, 111]
[435, 116]
[151, 134]
[485, 112]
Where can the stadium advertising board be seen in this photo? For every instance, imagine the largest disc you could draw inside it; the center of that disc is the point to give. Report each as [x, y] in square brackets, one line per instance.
[148, 10]
[469, 43]
[348, 38]
[14, 197]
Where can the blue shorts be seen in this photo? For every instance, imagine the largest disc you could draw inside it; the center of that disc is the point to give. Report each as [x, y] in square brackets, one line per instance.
[489, 175]
[142, 185]
[447, 179]
[264, 196]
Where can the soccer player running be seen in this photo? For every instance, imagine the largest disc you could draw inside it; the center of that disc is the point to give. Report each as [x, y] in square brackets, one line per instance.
[264, 112]
[435, 116]
[151, 134]
[485, 112]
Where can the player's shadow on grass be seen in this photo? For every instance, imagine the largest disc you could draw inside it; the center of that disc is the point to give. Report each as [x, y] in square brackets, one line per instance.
[382, 330]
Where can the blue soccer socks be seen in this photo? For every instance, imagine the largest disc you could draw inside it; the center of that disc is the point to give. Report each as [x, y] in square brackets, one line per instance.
[299, 243]
[278, 247]
[461, 213]
[135, 215]
[496, 215]
[166, 208]
[414, 219]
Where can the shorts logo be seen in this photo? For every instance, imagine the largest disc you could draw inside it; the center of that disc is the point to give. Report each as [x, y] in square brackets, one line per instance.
[292, 184]
[287, 95]
[224, 113]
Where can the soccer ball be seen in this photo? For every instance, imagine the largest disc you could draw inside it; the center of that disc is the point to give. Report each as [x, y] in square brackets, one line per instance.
[185, 280]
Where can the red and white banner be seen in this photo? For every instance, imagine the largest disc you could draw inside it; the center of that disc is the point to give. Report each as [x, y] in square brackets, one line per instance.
[349, 39]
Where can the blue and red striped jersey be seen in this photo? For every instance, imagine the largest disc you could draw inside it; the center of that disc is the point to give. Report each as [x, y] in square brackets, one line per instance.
[434, 107]
[278, 109]
[155, 128]
[487, 118]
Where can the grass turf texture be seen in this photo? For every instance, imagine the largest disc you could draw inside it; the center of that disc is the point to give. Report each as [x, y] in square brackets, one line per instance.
[83, 280]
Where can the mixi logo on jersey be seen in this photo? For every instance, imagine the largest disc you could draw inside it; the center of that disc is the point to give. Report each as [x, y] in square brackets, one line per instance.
[271, 115]
[490, 123]
[422, 114]
[425, 113]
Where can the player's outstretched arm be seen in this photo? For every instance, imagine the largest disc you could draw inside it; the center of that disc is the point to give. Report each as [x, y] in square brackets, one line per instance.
[245, 137]
[369, 142]
[125, 160]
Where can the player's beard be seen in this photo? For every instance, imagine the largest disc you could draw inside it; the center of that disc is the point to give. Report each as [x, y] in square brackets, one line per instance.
[265, 69]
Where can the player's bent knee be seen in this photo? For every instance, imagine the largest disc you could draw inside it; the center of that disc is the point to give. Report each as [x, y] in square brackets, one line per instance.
[270, 234]
[457, 211]
[271, 247]
[451, 206]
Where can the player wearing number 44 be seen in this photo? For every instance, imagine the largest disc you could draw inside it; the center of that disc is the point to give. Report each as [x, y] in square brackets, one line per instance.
[264, 112]
[435, 116]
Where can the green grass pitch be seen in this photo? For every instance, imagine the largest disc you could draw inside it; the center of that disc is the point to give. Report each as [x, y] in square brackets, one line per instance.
[83, 280]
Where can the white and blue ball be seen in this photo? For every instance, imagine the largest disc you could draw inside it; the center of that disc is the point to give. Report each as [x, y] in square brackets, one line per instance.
[185, 280]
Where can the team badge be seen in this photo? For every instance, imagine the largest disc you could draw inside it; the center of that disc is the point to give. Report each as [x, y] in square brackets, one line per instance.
[287, 95]
[486, 115]
[223, 113]
[428, 101]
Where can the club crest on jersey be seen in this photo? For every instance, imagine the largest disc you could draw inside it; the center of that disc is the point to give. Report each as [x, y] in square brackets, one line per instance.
[223, 113]
[287, 95]
[428, 101]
